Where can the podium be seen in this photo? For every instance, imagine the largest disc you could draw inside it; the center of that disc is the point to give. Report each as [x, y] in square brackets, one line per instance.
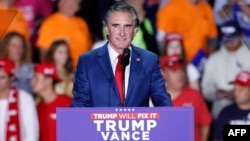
[125, 124]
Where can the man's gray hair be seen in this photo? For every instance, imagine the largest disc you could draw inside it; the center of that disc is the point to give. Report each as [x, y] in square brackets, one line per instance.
[121, 6]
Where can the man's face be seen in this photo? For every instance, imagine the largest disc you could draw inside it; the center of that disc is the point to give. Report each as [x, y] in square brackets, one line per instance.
[242, 94]
[39, 83]
[121, 30]
[233, 44]
[5, 80]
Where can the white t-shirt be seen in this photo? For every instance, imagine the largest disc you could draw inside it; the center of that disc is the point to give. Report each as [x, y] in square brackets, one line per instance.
[28, 117]
[192, 72]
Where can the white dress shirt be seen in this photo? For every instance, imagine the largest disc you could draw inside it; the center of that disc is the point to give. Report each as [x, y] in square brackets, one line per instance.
[113, 58]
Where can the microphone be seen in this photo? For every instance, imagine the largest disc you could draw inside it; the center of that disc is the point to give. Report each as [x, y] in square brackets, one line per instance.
[124, 62]
[125, 57]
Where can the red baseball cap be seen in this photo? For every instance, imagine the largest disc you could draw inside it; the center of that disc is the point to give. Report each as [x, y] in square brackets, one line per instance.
[172, 62]
[243, 79]
[49, 69]
[173, 37]
[7, 65]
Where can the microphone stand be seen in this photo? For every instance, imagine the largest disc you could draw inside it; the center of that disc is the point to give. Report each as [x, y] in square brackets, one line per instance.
[123, 86]
[125, 62]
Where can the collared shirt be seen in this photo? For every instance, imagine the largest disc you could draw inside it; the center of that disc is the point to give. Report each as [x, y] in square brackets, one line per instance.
[113, 58]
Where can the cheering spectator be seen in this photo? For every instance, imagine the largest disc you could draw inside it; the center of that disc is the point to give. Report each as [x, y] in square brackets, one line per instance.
[60, 55]
[223, 66]
[18, 116]
[65, 25]
[17, 49]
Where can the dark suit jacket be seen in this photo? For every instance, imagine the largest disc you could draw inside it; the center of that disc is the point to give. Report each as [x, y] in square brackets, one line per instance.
[95, 86]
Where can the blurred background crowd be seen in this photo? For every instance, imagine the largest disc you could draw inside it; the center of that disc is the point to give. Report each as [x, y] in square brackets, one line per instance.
[203, 47]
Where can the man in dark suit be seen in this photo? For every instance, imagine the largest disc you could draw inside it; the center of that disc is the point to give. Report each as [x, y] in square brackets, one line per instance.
[97, 82]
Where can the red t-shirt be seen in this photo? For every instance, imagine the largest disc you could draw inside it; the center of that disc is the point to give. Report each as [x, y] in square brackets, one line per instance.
[202, 117]
[47, 117]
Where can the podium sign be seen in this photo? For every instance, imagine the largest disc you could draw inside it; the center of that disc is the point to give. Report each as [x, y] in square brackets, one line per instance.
[125, 124]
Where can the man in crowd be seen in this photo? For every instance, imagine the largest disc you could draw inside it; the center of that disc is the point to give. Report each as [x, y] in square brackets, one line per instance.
[222, 67]
[43, 85]
[239, 112]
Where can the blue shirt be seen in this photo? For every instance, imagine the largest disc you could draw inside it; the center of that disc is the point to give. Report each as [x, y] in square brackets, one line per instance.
[230, 115]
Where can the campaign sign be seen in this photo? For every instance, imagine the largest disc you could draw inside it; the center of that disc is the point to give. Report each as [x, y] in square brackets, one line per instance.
[125, 124]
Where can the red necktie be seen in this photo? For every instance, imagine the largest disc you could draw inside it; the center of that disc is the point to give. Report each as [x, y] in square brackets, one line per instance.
[118, 78]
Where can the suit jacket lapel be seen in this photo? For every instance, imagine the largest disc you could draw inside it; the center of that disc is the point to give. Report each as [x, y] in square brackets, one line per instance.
[135, 67]
[104, 61]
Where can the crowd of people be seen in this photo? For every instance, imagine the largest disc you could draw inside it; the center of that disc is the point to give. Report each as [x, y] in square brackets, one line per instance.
[202, 46]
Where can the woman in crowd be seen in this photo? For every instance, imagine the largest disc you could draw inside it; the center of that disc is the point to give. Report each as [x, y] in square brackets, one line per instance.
[59, 54]
[174, 46]
[15, 47]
